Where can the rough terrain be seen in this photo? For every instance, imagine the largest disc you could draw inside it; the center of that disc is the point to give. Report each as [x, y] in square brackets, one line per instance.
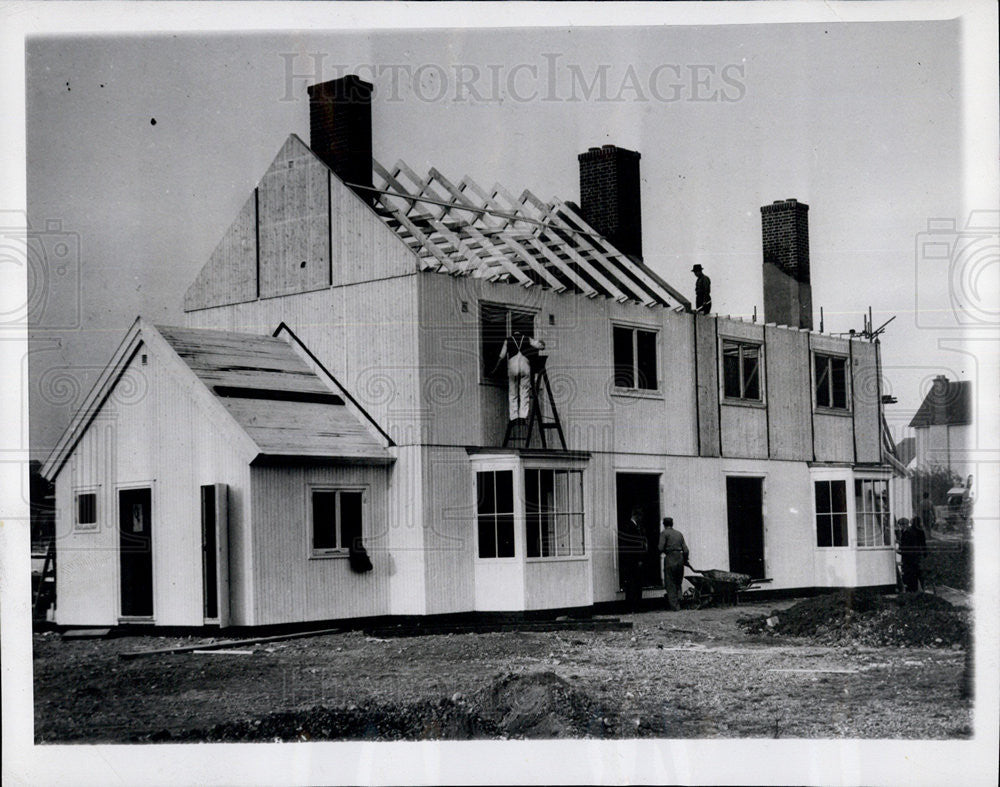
[695, 673]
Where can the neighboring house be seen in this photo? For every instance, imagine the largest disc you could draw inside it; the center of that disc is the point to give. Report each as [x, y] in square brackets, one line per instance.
[334, 384]
[901, 485]
[943, 427]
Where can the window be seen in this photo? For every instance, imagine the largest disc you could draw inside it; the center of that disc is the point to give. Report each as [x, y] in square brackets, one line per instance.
[496, 324]
[336, 520]
[871, 501]
[495, 513]
[831, 513]
[635, 358]
[741, 370]
[86, 511]
[831, 381]
[553, 501]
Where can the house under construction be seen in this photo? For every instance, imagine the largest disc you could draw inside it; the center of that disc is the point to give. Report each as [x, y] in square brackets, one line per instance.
[334, 386]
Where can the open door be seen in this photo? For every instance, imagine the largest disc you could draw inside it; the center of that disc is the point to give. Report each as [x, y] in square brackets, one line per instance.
[643, 490]
[744, 504]
[215, 553]
[135, 546]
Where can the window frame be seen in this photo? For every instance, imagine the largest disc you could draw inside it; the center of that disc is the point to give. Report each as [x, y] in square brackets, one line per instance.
[634, 328]
[725, 398]
[846, 513]
[496, 514]
[487, 363]
[339, 551]
[831, 408]
[528, 515]
[86, 527]
[859, 514]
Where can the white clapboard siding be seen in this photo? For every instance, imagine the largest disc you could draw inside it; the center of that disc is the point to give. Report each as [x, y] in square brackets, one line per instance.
[289, 585]
[152, 432]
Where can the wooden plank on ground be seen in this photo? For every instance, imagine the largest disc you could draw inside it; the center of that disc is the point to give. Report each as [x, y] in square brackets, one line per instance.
[229, 643]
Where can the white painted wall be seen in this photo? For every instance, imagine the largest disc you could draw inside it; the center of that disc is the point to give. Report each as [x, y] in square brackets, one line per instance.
[151, 432]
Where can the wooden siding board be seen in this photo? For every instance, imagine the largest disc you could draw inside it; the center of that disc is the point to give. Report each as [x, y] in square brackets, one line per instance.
[867, 407]
[288, 585]
[230, 275]
[449, 541]
[708, 385]
[405, 542]
[789, 398]
[294, 223]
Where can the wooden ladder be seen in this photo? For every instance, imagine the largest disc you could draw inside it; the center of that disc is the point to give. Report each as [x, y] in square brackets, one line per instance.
[44, 593]
[539, 377]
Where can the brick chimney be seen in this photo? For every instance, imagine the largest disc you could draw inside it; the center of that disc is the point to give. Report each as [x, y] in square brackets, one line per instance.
[610, 198]
[787, 291]
[340, 128]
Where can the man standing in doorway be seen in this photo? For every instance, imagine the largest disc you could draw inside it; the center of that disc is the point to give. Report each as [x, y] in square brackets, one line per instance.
[632, 546]
[702, 291]
[675, 557]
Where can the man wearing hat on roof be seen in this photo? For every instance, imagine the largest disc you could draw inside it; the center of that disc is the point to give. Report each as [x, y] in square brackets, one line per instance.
[702, 291]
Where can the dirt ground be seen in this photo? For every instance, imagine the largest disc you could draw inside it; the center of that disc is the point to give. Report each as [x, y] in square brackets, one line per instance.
[688, 674]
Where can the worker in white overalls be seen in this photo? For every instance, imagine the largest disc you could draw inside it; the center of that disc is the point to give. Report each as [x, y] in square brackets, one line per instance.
[519, 350]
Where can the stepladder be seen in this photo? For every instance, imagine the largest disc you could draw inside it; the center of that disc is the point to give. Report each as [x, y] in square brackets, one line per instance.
[537, 416]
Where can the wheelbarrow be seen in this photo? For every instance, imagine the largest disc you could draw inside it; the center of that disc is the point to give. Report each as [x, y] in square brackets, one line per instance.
[715, 586]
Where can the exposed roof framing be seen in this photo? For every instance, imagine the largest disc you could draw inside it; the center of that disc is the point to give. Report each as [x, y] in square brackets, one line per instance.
[465, 230]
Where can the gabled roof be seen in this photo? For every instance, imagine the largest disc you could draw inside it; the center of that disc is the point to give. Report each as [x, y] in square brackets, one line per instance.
[465, 230]
[906, 449]
[260, 384]
[948, 402]
[273, 395]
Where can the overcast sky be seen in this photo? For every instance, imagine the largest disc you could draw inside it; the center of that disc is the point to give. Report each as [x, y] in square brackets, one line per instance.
[145, 148]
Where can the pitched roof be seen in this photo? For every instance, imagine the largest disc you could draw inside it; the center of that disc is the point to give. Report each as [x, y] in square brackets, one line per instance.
[464, 230]
[281, 405]
[273, 395]
[906, 449]
[947, 402]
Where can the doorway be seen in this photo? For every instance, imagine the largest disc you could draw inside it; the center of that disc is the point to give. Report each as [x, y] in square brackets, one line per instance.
[135, 547]
[745, 509]
[642, 490]
[209, 554]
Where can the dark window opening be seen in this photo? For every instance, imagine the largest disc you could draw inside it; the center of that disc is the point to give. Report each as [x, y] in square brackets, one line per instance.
[496, 324]
[495, 513]
[831, 513]
[634, 353]
[86, 508]
[831, 381]
[336, 520]
[741, 371]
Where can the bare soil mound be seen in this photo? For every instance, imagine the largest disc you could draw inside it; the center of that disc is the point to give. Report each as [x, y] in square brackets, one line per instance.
[526, 705]
[538, 705]
[867, 618]
[442, 720]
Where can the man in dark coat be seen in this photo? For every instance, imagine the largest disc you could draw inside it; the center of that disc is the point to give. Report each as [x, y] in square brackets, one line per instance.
[632, 547]
[702, 291]
[912, 547]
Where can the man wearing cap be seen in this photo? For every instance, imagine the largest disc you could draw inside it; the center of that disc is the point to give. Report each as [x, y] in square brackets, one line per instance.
[702, 291]
[675, 557]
